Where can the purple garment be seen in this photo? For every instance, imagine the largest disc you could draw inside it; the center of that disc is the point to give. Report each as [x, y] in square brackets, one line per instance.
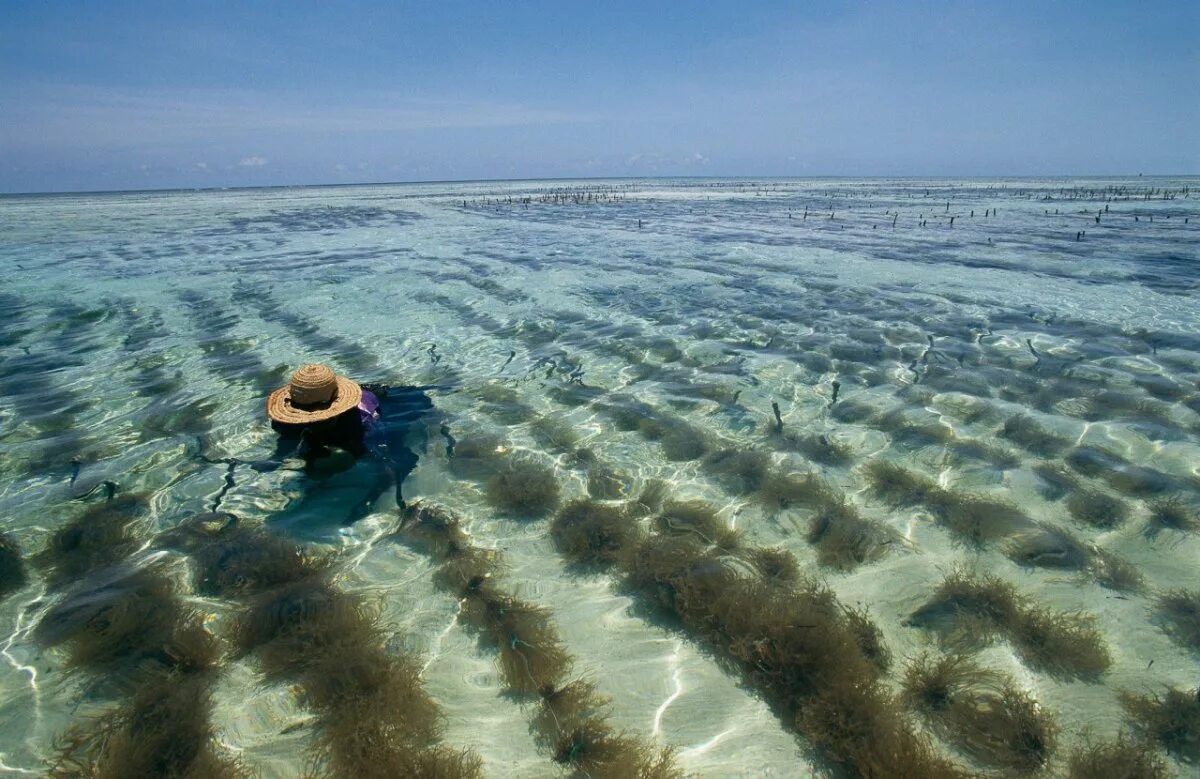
[368, 410]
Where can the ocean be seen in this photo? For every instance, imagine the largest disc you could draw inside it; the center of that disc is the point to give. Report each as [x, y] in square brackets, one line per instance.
[731, 468]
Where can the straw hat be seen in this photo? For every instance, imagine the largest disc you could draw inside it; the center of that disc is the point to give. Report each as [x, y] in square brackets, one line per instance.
[316, 393]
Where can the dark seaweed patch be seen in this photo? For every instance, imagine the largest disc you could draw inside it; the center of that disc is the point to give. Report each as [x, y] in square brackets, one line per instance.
[162, 730]
[1171, 719]
[907, 428]
[740, 471]
[590, 533]
[774, 564]
[523, 486]
[476, 456]
[232, 560]
[1124, 757]
[795, 643]
[1180, 611]
[898, 485]
[375, 719]
[594, 749]
[532, 656]
[999, 456]
[970, 610]
[1113, 572]
[850, 411]
[127, 625]
[818, 447]
[681, 443]
[533, 659]
[869, 638]
[699, 519]
[503, 404]
[1097, 509]
[100, 536]
[844, 539]
[1027, 432]
[1172, 513]
[605, 483]
[782, 491]
[1121, 476]
[12, 568]
[1057, 480]
[975, 519]
[980, 712]
[554, 433]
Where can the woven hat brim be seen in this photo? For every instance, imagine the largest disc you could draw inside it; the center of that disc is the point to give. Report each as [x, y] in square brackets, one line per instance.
[280, 408]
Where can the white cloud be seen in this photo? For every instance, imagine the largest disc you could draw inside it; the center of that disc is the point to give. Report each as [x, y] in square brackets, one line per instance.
[201, 166]
[252, 162]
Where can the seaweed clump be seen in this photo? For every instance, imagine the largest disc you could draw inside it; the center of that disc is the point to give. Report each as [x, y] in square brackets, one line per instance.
[127, 626]
[1114, 573]
[741, 471]
[1180, 609]
[570, 722]
[531, 654]
[375, 719]
[798, 645]
[1057, 480]
[532, 658]
[845, 540]
[820, 661]
[774, 564]
[974, 519]
[12, 569]
[591, 533]
[980, 712]
[1172, 513]
[476, 456]
[1097, 509]
[1027, 432]
[605, 482]
[1122, 758]
[100, 536]
[781, 491]
[1171, 719]
[162, 730]
[700, 519]
[523, 486]
[968, 610]
[232, 560]
[680, 442]
[819, 447]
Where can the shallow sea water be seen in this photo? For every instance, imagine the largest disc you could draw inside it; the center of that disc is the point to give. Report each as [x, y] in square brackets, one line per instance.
[140, 332]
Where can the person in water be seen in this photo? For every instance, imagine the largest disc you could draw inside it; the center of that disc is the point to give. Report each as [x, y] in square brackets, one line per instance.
[355, 441]
[319, 410]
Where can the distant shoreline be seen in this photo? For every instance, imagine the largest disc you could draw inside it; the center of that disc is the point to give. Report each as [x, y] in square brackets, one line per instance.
[748, 179]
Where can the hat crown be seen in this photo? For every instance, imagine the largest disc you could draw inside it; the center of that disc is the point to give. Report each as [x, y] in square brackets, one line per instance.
[312, 384]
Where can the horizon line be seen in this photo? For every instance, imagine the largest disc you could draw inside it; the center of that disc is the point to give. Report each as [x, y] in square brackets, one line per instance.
[415, 182]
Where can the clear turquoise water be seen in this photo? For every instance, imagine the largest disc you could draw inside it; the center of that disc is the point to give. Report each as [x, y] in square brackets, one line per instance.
[139, 329]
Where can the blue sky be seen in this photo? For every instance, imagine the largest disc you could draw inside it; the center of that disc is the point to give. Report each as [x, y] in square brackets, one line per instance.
[117, 95]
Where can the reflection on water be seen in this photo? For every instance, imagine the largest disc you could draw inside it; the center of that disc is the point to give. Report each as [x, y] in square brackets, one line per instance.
[707, 476]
